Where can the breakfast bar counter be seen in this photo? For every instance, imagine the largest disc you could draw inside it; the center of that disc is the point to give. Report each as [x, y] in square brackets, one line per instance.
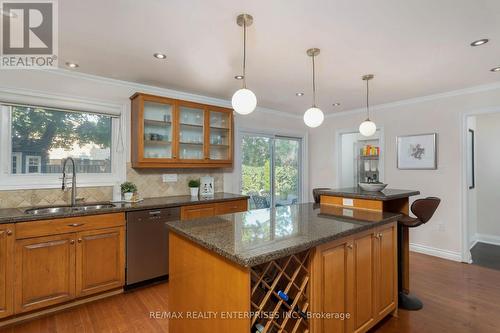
[297, 268]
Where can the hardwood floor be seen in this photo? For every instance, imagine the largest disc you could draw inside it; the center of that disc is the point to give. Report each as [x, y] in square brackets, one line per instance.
[457, 298]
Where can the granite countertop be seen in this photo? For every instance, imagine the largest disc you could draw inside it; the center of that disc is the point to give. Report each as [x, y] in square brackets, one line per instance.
[258, 236]
[12, 215]
[357, 192]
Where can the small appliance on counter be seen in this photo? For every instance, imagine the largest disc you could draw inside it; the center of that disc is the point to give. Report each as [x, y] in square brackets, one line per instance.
[206, 186]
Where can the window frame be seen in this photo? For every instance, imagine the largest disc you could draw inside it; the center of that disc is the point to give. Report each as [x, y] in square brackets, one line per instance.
[11, 181]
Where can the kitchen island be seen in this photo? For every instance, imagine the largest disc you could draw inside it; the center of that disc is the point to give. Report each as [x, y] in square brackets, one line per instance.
[388, 200]
[298, 268]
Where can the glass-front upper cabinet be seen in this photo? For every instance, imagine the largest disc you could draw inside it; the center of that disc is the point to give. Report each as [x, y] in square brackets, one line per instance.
[191, 132]
[170, 133]
[158, 130]
[220, 138]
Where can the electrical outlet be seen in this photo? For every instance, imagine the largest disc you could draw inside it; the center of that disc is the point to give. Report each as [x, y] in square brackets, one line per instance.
[169, 177]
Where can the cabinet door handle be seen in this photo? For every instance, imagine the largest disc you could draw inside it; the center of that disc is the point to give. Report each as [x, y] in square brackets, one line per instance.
[349, 246]
[75, 224]
[72, 241]
[9, 232]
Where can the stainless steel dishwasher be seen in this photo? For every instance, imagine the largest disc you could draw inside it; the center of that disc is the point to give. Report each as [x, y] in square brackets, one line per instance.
[147, 245]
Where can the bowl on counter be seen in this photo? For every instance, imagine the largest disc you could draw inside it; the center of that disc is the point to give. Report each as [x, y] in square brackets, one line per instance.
[372, 187]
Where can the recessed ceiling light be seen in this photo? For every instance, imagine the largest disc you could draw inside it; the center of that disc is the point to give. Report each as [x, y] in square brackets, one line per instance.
[71, 64]
[336, 104]
[495, 69]
[239, 77]
[160, 56]
[479, 42]
[299, 94]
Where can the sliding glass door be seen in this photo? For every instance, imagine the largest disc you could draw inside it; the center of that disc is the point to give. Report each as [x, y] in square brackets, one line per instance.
[271, 169]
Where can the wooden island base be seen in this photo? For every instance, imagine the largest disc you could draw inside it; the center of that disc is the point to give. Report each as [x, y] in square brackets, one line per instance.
[353, 277]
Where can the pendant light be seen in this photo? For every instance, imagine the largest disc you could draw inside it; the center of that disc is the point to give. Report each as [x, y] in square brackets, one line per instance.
[244, 100]
[367, 127]
[313, 117]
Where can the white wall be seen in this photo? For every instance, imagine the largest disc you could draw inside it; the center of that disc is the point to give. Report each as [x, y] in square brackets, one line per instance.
[442, 114]
[488, 175]
[88, 87]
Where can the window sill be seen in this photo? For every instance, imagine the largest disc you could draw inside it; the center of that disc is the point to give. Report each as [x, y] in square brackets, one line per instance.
[32, 182]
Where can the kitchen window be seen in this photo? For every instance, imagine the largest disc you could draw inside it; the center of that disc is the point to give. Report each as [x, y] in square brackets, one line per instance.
[35, 140]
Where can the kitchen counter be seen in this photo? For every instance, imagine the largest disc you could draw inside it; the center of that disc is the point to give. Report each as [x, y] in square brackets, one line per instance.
[358, 193]
[245, 238]
[13, 215]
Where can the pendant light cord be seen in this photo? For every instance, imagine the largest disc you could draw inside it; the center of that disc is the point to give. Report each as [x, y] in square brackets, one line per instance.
[244, 53]
[314, 82]
[367, 102]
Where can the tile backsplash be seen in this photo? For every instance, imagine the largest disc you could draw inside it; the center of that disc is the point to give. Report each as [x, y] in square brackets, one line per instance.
[149, 184]
[45, 197]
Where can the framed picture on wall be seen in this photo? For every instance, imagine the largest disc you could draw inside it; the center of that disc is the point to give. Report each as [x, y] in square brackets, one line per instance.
[417, 152]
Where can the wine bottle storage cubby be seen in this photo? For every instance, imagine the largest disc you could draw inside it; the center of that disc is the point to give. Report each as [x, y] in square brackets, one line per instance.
[271, 284]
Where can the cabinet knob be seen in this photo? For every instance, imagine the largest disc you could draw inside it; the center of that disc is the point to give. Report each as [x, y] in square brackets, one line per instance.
[72, 241]
[379, 235]
[349, 246]
[9, 232]
[79, 240]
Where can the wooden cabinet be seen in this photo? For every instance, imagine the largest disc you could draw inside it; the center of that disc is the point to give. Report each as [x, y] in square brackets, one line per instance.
[213, 209]
[100, 260]
[387, 291]
[355, 275]
[6, 270]
[59, 260]
[170, 133]
[45, 271]
[331, 283]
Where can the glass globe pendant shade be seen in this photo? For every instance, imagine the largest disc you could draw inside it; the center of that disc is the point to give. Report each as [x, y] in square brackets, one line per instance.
[313, 117]
[367, 128]
[244, 101]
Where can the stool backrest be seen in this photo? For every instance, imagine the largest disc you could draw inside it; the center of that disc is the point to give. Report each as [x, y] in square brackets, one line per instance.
[316, 194]
[425, 208]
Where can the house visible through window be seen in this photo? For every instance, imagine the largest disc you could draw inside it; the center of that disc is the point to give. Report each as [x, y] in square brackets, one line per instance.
[41, 138]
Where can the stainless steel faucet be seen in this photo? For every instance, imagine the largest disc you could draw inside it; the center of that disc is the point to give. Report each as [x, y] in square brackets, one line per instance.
[73, 180]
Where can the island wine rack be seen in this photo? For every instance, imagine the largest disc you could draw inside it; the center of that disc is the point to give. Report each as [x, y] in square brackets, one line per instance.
[271, 284]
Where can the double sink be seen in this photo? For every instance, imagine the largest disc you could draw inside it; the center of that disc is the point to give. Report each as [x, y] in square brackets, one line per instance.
[68, 209]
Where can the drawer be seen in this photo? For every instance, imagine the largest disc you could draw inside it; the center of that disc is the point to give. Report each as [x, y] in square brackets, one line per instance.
[352, 202]
[229, 207]
[197, 211]
[67, 225]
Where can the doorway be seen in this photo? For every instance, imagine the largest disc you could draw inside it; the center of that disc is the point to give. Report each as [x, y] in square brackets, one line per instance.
[359, 158]
[271, 169]
[482, 163]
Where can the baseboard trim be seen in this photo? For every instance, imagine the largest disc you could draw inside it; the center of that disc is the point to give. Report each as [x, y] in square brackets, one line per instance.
[488, 239]
[435, 252]
[43, 312]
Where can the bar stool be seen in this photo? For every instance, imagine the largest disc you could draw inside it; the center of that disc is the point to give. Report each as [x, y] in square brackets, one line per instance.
[316, 193]
[423, 209]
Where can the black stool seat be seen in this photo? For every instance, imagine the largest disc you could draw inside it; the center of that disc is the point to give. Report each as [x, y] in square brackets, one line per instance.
[423, 209]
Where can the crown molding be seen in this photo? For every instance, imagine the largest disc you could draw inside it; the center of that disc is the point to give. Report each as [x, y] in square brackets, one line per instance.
[421, 99]
[161, 91]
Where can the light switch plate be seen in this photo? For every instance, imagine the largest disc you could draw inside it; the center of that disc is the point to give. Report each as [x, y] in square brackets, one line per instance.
[169, 177]
[347, 202]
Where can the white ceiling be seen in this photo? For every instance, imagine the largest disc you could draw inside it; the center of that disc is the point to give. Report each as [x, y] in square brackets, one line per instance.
[414, 47]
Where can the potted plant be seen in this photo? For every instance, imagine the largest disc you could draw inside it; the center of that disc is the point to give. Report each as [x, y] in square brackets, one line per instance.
[128, 189]
[194, 187]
